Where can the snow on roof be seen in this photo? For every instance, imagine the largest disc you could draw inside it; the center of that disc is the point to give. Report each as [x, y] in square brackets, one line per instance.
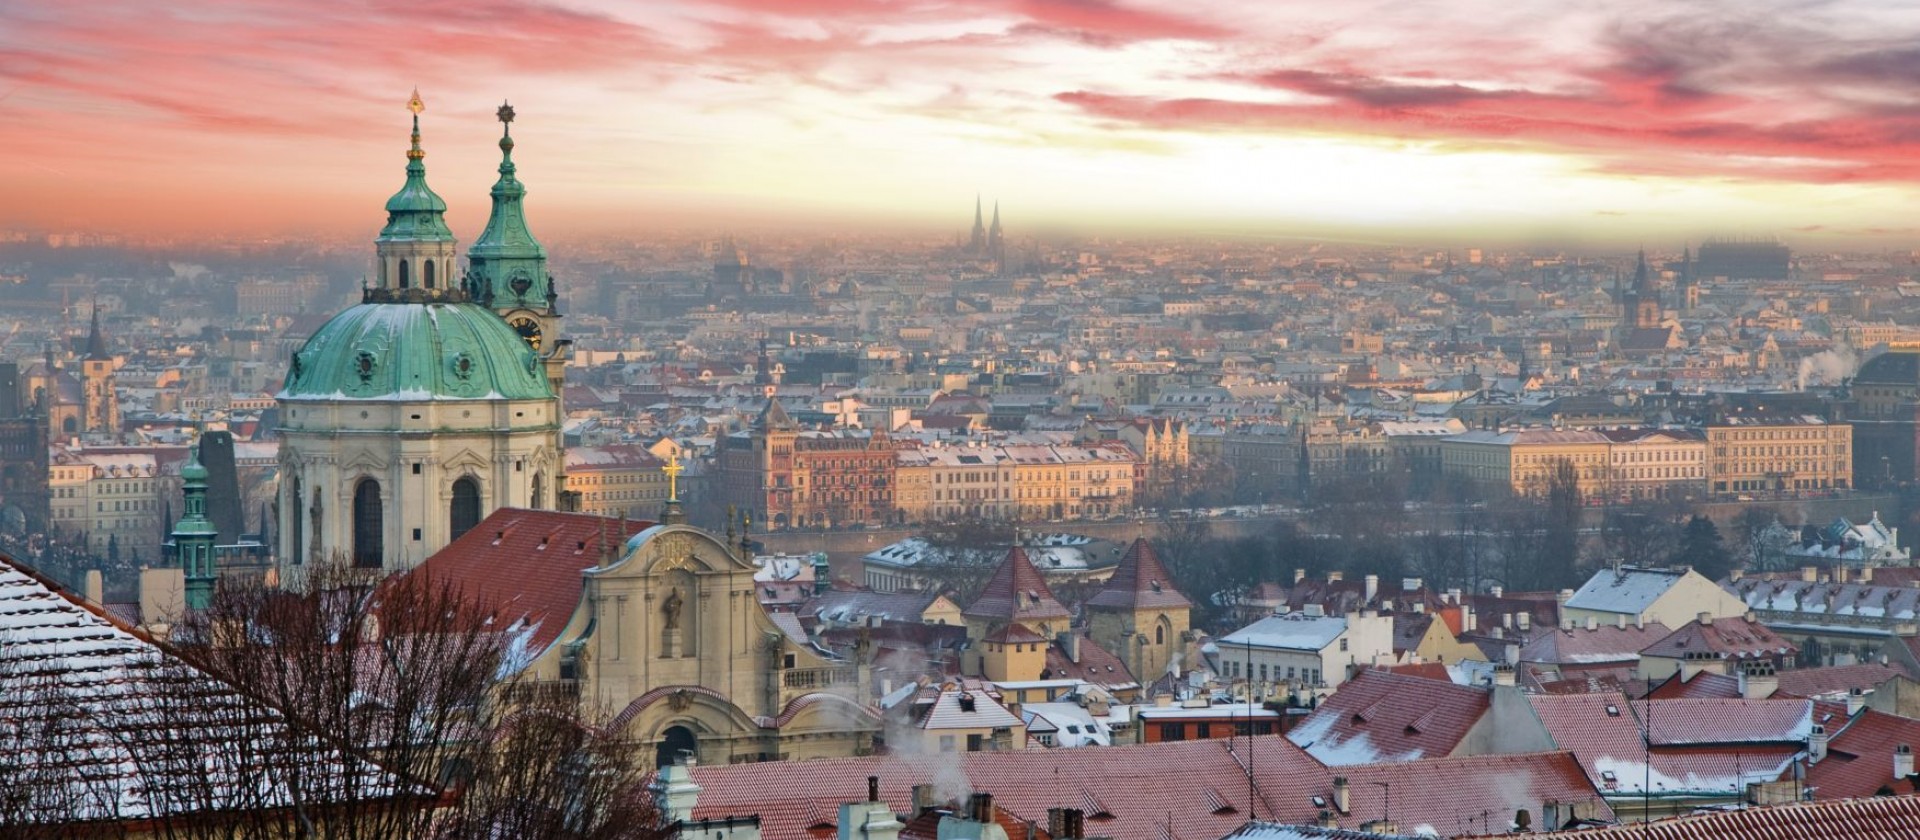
[1292, 631]
[121, 693]
[1629, 590]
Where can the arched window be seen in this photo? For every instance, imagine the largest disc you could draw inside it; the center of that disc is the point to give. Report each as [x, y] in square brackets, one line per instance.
[675, 742]
[406, 280]
[426, 274]
[369, 525]
[1160, 635]
[464, 512]
[535, 499]
[296, 529]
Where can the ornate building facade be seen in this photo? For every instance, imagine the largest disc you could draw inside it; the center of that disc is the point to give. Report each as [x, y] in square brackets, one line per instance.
[408, 418]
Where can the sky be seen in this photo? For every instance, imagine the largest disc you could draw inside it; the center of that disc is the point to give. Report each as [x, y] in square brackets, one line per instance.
[1621, 121]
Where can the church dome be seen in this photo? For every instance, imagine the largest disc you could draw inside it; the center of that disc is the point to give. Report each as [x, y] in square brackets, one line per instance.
[1894, 367]
[416, 351]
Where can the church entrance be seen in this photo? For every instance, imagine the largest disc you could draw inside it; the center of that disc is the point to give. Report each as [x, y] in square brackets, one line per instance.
[369, 526]
[464, 513]
[675, 742]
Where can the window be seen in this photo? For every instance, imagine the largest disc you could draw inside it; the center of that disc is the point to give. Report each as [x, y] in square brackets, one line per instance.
[464, 511]
[1173, 732]
[1343, 645]
[369, 525]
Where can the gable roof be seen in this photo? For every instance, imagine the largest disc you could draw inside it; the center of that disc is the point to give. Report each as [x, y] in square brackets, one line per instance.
[1859, 758]
[1380, 716]
[1016, 592]
[1140, 582]
[1724, 638]
[1131, 792]
[1836, 679]
[525, 565]
[1604, 644]
[1692, 752]
[119, 695]
[1629, 589]
[1852, 819]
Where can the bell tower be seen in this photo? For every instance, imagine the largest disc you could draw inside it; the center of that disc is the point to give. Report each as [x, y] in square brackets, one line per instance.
[507, 267]
[101, 406]
[414, 255]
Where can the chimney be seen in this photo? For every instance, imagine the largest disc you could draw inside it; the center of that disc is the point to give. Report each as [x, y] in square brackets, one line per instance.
[1639, 621]
[1523, 620]
[922, 799]
[1840, 573]
[1373, 587]
[1736, 574]
[1412, 584]
[1593, 622]
[1326, 820]
[1342, 795]
[1620, 621]
[1497, 591]
[1070, 645]
[1469, 621]
[1566, 622]
[1866, 574]
[1902, 761]
[1503, 675]
[1817, 744]
[1506, 620]
[869, 820]
[1856, 700]
[1453, 596]
[1809, 574]
[1706, 619]
[1336, 577]
[1299, 575]
[1563, 596]
[95, 588]
[674, 792]
[1758, 681]
[980, 808]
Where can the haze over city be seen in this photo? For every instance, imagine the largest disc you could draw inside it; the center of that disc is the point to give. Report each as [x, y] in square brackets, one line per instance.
[940, 420]
[1507, 122]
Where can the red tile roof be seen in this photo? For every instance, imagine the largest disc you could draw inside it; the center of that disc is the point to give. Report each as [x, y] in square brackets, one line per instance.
[1880, 818]
[1703, 684]
[1735, 637]
[1096, 665]
[1839, 679]
[1015, 634]
[1859, 758]
[1017, 592]
[1604, 644]
[1605, 733]
[1140, 582]
[1380, 716]
[526, 564]
[1132, 792]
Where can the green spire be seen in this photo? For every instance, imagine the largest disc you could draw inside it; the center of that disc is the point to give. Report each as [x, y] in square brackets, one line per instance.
[508, 266]
[415, 212]
[194, 535]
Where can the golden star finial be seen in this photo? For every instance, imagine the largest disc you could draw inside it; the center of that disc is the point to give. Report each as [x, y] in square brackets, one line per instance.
[414, 104]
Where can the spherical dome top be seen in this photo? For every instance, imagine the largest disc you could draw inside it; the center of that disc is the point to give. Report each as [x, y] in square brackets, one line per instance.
[416, 351]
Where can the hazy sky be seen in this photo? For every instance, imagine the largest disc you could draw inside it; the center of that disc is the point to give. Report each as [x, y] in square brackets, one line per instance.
[1610, 121]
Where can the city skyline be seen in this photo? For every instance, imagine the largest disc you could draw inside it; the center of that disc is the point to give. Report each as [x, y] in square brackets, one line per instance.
[1642, 122]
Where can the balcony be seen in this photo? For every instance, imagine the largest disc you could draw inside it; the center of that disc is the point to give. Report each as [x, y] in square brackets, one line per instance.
[816, 679]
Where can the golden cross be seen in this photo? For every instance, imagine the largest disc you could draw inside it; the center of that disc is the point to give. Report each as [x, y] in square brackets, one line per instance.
[673, 470]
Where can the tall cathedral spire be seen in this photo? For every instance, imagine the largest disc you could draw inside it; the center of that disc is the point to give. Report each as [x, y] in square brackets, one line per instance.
[97, 341]
[194, 536]
[978, 243]
[507, 266]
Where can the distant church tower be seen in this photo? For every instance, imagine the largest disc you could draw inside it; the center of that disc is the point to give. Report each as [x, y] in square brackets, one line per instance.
[100, 406]
[194, 536]
[1642, 301]
[996, 246]
[407, 419]
[978, 244]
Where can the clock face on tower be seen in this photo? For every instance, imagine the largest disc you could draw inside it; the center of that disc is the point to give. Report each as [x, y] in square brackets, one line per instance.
[528, 329]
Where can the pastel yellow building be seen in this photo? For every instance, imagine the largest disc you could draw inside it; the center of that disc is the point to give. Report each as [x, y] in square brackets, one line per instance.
[1747, 455]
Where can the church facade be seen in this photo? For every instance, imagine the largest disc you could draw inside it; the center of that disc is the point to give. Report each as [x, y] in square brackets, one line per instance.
[408, 418]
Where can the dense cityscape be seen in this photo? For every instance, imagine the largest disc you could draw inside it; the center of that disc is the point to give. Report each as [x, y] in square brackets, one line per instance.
[1000, 528]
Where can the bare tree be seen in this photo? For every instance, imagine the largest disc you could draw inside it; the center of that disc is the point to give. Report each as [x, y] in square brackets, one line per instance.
[963, 554]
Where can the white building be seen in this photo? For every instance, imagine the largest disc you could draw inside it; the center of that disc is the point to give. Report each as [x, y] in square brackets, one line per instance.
[1307, 648]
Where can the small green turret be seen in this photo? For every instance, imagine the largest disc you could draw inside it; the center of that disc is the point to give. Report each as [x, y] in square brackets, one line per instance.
[194, 536]
[507, 267]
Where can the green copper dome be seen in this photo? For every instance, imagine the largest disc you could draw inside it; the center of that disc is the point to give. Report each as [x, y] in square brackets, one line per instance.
[416, 212]
[416, 351]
